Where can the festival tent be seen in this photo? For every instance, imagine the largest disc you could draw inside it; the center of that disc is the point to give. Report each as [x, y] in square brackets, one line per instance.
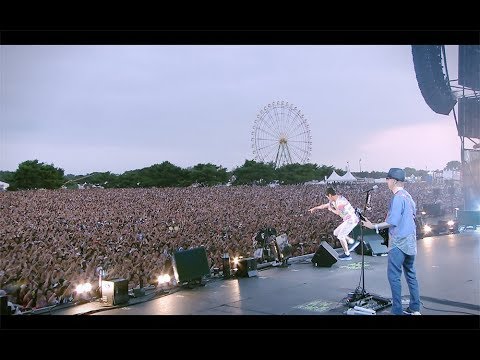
[348, 177]
[334, 177]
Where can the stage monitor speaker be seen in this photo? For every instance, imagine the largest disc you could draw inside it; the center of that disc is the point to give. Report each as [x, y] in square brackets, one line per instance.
[325, 256]
[247, 267]
[435, 89]
[115, 292]
[191, 264]
[372, 244]
[469, 117]
[468, 217]
[469, 66]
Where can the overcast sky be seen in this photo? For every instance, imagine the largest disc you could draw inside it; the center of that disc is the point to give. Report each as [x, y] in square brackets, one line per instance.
[118, 108]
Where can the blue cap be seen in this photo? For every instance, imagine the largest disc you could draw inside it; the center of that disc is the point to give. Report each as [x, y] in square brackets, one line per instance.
[397, 174]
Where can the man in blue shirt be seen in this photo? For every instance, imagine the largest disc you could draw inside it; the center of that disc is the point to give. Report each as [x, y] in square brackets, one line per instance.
[402, 243]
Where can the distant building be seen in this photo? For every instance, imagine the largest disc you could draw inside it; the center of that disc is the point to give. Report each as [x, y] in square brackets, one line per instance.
[3, 186]
[451, 175]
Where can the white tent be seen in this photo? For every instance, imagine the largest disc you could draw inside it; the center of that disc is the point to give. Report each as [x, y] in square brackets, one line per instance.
[349, 177]
[4, 185]
[334, 177]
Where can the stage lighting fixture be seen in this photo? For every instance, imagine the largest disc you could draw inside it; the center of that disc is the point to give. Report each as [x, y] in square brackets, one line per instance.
[163, 279]
[83, 288]
[236, 259]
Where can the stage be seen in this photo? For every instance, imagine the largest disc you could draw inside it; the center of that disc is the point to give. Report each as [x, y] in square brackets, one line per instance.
[448, 271]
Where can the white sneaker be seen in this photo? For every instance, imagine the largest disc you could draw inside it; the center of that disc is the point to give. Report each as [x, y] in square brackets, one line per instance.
[354, 246]
[350, 241]
[409, 311]
[344, 257]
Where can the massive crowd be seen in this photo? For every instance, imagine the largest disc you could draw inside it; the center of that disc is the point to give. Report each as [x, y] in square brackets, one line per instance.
[52, 240]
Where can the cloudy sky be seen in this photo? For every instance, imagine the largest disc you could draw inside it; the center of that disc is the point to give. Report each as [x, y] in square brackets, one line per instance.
[119, 108]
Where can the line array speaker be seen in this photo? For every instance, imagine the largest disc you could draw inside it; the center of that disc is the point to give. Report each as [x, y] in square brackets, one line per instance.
[469, 117]
[435, 89]
[469, 66]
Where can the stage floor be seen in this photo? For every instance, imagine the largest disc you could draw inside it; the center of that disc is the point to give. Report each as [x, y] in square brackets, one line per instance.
[448, 271]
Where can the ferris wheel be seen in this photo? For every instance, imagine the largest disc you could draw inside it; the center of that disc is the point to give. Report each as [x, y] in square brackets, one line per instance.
[281, 135]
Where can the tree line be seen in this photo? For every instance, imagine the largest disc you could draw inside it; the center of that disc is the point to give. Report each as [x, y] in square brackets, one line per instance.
[32, 174]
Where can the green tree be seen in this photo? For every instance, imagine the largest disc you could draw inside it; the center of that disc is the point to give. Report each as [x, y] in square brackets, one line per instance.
[6, 176]
[453, 165]
[252, 172]
[410, 171]
[208, 174]
[34, 175]
[104, 179]
[299, 173]
[421, 173]
[159, 175]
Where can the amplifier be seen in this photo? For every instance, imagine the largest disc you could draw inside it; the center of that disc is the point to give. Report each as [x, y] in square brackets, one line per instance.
[115, 292]
[191, 264]
[247, 267]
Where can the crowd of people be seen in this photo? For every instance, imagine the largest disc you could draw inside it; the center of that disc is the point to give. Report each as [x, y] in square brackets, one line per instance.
[53, 240]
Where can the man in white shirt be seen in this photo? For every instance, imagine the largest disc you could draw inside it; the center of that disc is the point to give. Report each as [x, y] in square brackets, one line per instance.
[339, 205]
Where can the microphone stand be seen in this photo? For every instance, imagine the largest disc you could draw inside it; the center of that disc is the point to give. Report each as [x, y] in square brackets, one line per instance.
[361, 293]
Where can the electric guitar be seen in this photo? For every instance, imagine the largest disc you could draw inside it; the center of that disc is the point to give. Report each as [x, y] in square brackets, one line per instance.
[382, 232]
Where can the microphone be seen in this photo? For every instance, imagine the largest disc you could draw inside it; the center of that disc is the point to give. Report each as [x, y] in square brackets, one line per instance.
[373, 188]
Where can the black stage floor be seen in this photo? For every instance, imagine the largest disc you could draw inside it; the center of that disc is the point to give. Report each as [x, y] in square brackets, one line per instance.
[448, 271]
